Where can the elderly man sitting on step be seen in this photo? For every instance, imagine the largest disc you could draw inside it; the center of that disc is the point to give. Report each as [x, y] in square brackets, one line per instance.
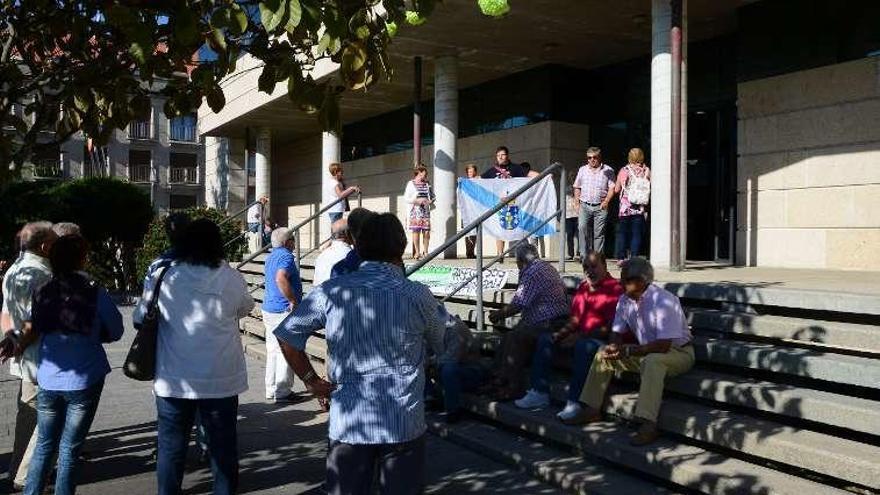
[656, 318]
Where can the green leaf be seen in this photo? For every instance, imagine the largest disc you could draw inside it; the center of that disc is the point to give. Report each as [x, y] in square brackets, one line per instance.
[216, 99]
[186, 26]
[138, 53]
[294, 11]
[81, 102]
[217, 40]
[266, 82]
[272, 13]
[239, 22]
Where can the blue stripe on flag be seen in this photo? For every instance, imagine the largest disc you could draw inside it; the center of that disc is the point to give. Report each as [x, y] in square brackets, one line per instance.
[488, 199]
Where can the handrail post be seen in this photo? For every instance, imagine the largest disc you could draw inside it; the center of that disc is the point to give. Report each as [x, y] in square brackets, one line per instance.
[562, 205]
[298, 252]
[479, 288]
[360, 199]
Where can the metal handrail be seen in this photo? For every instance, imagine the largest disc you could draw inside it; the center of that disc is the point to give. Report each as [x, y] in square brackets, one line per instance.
[294, 231]
[478, 226]
[239, 212]
[482, 218]
[504, 253]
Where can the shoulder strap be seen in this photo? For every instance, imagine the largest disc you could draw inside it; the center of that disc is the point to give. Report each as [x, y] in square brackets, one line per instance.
[154, 301]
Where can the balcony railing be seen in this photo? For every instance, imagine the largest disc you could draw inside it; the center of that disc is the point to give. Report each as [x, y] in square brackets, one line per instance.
[48, 168]
[140, 129]
[183, 175]
[95, 170]
[139, 173]
[183, 132]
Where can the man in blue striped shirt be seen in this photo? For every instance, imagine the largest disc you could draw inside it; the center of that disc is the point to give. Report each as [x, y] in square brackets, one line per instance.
[376, 324]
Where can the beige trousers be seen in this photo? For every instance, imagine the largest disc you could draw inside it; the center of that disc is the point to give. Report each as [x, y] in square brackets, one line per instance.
[653, 368]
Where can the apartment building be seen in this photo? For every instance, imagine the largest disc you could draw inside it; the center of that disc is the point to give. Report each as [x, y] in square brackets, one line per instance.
[165, 157]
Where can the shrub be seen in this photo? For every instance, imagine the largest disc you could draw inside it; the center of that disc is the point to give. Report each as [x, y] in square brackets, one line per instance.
[156, 242]
[112, 214]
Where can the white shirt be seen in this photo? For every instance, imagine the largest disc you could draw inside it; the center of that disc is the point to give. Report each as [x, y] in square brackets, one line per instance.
[255, 213]
[329, 195]
[329, 257]
[24, 277]
[199, 353]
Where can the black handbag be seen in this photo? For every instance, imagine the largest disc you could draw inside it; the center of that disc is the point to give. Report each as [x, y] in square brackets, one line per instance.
[140, 363]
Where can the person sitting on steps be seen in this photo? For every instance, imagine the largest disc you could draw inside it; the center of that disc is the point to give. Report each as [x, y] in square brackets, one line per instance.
[665, 349]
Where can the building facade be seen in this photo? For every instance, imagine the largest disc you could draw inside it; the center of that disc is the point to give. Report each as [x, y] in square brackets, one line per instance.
[781, 121]
[165, 157]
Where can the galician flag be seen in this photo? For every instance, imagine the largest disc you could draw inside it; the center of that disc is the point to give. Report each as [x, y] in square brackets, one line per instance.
[518, 216]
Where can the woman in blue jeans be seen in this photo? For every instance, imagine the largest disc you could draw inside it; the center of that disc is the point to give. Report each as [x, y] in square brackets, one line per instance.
[72, 316]
[200, 367]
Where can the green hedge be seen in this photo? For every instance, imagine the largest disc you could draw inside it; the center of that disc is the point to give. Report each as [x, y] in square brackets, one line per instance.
[113, 215]
[156, 242]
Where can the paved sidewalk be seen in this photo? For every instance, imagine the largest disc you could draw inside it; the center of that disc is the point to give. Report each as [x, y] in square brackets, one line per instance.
[282, 447]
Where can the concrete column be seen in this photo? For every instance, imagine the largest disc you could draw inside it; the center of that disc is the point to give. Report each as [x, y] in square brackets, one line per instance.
[263, 163]
[661, 138]
[331, 152]
[445, 140]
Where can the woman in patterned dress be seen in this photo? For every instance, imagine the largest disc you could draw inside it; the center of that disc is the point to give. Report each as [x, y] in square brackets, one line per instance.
[420, 195]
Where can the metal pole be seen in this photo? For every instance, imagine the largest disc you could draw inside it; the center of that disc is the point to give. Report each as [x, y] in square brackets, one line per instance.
[417, 112]
[675, 38]
[479, 249]
[296, 241]
[360, 199]
[562, 206]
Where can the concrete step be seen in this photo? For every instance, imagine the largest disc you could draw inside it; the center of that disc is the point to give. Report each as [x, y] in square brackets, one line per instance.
[836, 368]
[570, 472]
[840, 458]
[757, 295]
[687, 465]
[827, 408]
[836, 334]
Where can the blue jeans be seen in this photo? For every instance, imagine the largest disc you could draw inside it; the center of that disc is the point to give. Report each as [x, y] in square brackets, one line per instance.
[335, 216]
[218, 417]
[254, 227]
[456, 378]
[583, 352]
[63, 421]
[630, 230]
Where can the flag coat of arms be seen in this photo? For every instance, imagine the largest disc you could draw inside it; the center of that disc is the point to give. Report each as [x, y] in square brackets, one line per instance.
[518, 216]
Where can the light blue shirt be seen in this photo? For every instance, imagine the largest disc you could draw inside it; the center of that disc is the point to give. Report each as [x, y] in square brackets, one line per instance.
[74, 361]
[376, 323]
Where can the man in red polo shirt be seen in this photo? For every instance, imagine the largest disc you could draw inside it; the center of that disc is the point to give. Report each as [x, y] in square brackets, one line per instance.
[592, 311]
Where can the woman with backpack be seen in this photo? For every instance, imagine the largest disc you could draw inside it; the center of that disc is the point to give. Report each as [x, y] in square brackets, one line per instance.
[634, 187]
[72, 316]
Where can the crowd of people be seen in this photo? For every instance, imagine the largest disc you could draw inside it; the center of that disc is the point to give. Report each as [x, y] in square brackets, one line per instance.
[392, 349]
[588, 201]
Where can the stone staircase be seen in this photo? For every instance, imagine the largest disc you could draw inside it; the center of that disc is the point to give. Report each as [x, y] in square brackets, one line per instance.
[785, 398]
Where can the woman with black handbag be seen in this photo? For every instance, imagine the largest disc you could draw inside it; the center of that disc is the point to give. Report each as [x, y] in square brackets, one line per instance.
[72, 316]
[199, 361]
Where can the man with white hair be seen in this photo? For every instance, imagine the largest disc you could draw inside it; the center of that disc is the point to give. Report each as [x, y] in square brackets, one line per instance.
[282, 294]
[664, 348]
[542, 303]
[62, 229]
[30, 271]
[340, 245]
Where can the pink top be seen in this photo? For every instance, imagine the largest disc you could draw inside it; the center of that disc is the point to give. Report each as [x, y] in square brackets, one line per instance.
[657, 315]
[594, 183]
[627, 208]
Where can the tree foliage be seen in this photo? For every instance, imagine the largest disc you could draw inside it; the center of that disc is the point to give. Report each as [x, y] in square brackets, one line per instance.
[92, 65]
[112, 214]
[155, 242]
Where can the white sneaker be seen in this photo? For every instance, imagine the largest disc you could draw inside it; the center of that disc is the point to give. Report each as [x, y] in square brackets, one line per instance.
[572, 409]
[533, 400]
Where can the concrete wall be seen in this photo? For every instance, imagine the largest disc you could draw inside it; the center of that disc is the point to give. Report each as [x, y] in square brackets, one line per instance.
[809, 168]
[296, 171]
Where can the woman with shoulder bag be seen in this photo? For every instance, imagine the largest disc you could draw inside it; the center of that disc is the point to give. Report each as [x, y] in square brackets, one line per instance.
[634, 187]
[72, 316]
[200, 365]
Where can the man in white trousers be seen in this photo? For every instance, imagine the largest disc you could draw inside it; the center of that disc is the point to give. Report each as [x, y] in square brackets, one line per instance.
[283, 293]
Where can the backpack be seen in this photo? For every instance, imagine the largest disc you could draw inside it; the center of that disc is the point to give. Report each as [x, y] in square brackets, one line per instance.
[638, 188]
